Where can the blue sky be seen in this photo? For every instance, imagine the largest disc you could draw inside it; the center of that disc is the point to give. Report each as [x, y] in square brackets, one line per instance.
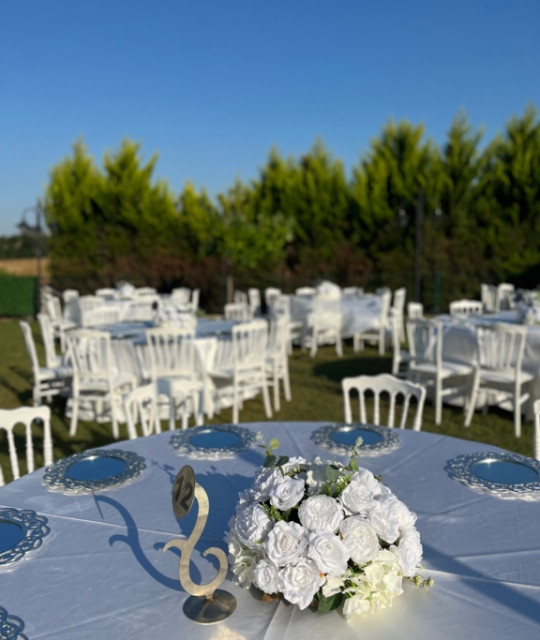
[211, 86]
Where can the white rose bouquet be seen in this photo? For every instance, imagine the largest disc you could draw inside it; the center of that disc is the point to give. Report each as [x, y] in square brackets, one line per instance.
[324, 535]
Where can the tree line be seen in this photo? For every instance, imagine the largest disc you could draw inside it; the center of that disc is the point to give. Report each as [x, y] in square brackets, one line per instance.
[303, 219]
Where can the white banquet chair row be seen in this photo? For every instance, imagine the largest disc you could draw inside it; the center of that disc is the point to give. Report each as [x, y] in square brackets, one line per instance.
[377, 333]
[465, 307]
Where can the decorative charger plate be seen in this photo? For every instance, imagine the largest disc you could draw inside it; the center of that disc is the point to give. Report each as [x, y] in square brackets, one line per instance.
[342, 438]
[212, 442]
[94, 470]
[505, 475]
[11, 627]
[21, 531]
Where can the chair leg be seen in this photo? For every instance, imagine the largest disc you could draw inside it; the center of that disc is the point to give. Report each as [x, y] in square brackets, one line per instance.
[277, 405]
[266, 398]
[438, 402]
[339, 345]
[74, 416]
[472, 401]
[517, 413]
[286, 382]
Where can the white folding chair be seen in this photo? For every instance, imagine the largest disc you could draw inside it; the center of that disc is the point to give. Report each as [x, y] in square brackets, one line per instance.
[96, 382]
[141, 407]
[499, 367]
[426, 365]
[269, 294]
[247, 376]
[505, 296]
[277, 361]
[324, 325]
[398, 394]
[280, 307]
[31, 418]
[181, 295]
[415, 310]
[254, 301]
[465, 307]
[488, 295]
[53, 307]
[171, 353]
[52, 358]
[239, 311]
[378, 332]
[48, 381]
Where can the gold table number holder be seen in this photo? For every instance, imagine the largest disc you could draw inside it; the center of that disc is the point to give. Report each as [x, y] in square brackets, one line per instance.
[206, 604]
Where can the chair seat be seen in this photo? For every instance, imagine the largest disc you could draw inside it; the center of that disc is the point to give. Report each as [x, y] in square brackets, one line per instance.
[448, 368]
[506, 377]
[50, 373]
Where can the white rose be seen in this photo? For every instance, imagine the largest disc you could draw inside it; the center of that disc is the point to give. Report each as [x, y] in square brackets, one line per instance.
[300, 581]
[358, 496]
[285, 543]
[328, 552]
[383, 574]
[390, 517]
[265, 577]
[261, 488]
[321, 514]
[360, 539]
[286, 492]
[293, 463]
[252, 524]
[408, 552]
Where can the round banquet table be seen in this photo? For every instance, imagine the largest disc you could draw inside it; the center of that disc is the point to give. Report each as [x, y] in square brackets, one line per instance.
[101, 572]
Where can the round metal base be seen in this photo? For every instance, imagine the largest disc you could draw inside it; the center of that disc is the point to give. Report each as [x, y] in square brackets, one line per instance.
[203, 610]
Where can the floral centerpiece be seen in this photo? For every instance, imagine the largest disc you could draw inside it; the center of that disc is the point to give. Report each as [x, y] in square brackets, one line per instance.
[325, 535]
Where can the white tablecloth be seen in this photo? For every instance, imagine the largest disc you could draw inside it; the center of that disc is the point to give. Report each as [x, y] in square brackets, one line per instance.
[358, 314]
[101, 572]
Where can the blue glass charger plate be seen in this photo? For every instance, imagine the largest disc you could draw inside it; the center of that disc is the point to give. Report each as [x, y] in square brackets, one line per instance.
[212, 442]
[11, 627]
[93, 471]
[342, 438]
[502, 474]
[21, 532]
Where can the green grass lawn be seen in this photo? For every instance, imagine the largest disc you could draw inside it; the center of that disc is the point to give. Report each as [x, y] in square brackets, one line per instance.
[316, 395]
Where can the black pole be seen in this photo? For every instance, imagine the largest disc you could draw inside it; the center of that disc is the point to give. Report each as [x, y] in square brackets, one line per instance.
[418, 247]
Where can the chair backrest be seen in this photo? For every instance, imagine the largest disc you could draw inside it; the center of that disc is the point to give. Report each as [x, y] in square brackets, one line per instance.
[171, 351]
[90, 354]
[425, 341]
[536, 441]
[250, 341]
[240, 297]
[398, 302]
[141, 407]
[488, 295]
[385, 297]
[269, 294]
[29, 417]
[106, 292]
[195, 296]
[505, 296]
[306, 291]
[30, 347]
[397, 392]
[501, 346]
[280, 306]
[181, 295]
[415, 310]
[352, 291]
[69, 294]
[54, 310]
[278, 336]
[466, 308]
[254, 301]
[238, 311]
[146, 291]
[47, 335]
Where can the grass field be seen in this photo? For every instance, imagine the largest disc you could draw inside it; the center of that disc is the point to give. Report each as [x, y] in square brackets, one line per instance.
[316, 395]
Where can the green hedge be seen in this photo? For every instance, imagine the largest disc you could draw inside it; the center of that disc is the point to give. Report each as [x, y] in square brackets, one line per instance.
[18, 295]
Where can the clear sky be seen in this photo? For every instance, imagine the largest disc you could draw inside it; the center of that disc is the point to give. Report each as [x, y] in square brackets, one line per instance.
[211, 86]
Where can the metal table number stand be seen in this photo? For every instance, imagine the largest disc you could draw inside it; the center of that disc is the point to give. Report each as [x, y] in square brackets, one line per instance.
[206, 604]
